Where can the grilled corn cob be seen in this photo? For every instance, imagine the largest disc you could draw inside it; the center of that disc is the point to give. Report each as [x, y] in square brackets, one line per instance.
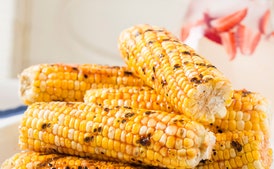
[190, 83]
[139, 136]
[142, 97]
[64, 82]
[248, 110]
[241, 149]
[32, 160]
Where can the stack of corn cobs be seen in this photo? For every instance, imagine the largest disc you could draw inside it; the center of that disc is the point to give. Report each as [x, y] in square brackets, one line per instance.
[168, 108]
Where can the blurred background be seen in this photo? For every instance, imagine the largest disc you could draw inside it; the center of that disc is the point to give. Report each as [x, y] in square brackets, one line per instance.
[72, 31]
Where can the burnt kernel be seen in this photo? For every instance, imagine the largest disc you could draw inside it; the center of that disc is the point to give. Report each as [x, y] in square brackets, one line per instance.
[85, 167]
[148, 30]
[195, 80]
[127, 115]
[236, 145]
[176, 66]
[99, 129]
[50, 165]
[45, 125]
[211, 124]
[74, 68]
[139, 161]
[186, 53]
[153, 69]
[102, 152]
[67, 167]
[128, 73]
[150, 42]
[246, 92]
[210, 66]
[152, 78]
[201, 76]
[164, 82]
[220, 131]
[165, 39]
[127, 107]
[144, 70]
[79, 167]
[106, 109]
[144, 141]
[88, 139]
[124, 120]
[203, 161]
[96, 167]
[186, 62]
[95, 130]
[149, 112]
[200, 64]
[85, 76]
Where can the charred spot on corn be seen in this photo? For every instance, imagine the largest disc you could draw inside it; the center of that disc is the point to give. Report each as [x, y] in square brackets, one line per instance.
[176, 66]
[127, 107]
[45, 125]
[128, 73]
[163, 82]
[236, 145]
[88, 139]
[130, 114]
[246, 93]
[161, 55]
[149, 112]
[144, 141]
[106, 109]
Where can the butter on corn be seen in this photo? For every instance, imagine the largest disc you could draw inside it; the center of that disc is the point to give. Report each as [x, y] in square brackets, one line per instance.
[32, 160]
[65, 82]
[190, 83]
[140, 136]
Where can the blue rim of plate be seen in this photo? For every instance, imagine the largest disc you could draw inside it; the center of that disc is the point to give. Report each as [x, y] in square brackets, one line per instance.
[12, 112]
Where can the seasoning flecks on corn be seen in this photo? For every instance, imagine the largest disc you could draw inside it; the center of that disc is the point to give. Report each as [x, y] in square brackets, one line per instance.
[138, 136]
[191, 84]
[65, 82]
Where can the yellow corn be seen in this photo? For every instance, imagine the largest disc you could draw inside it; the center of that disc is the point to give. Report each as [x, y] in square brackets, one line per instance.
[248, 110]
[142, 97]
[240, 149]
[190, 83]
[64, 82]
[33, 160]
[139, 136]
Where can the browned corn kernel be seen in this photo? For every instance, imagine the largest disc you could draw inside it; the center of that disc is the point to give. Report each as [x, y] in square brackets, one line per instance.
[64, 82]
[139, 136]
[33, 160]
[240, 149]
[190, 83]
[142, 97]
[248, 111]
